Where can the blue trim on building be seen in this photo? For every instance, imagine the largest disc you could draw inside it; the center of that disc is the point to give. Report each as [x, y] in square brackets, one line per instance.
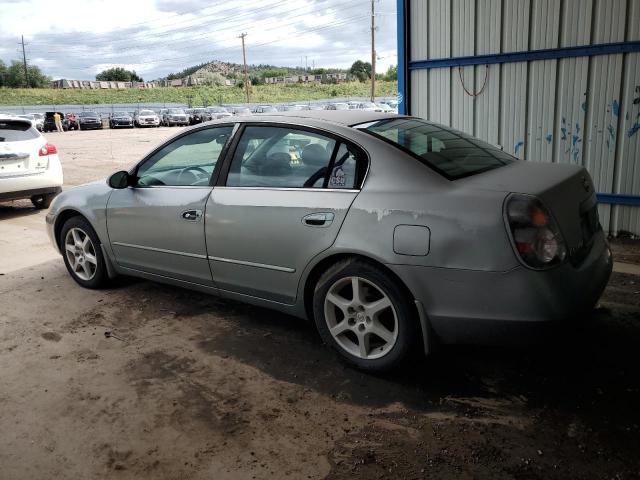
[618, 199]
[402, 11]
[404, 66]
[525, 56]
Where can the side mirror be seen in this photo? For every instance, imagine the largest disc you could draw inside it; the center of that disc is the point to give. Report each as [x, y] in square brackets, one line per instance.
[119, 180]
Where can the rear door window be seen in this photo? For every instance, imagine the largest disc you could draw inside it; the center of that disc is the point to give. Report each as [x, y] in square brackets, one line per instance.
[286, 157]
[280, 157]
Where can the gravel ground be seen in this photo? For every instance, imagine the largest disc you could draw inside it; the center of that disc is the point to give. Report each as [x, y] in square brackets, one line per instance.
[198, 387]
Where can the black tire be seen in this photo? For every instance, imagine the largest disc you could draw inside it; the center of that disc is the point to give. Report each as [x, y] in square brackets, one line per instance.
[408, 332]
[100, 277]
[42, 201]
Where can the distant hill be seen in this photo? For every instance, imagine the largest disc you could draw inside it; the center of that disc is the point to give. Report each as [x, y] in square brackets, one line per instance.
[235, 70]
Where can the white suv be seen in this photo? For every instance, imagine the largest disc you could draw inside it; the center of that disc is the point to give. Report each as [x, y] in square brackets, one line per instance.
[29, 165]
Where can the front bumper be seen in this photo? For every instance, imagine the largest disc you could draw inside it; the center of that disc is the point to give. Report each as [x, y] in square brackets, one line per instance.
[90, 126]
[468, 306]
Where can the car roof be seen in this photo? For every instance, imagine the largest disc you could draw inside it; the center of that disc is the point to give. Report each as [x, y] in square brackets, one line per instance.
[341, 117]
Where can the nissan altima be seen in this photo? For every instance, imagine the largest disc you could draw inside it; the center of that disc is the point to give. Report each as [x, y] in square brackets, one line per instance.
[388, 232]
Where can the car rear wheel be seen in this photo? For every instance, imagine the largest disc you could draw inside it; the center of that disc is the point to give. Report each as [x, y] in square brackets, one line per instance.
[82, 253]
[364, 315]
[42, 201]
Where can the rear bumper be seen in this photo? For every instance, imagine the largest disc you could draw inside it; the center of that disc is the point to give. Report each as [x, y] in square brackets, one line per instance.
[465, 306]
[20, 186]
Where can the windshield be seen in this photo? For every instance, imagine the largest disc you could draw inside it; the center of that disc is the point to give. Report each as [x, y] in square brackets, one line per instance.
[120, 114]
[177, 111]
[449, 152]
[88, 114]
[147, 112]
[218, 110]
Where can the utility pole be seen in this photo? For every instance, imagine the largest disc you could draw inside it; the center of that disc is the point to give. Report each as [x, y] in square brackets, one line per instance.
[246, 75]
[306, 65]
[24, 60]
[373, 51]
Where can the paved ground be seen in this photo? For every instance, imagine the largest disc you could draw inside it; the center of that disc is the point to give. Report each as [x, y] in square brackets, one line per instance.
[204, 388]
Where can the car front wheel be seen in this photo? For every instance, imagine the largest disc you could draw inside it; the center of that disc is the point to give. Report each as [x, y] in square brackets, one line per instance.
[364, 315]
[82, 254]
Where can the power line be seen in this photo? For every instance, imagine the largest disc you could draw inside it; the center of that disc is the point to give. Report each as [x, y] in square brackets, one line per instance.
[304, 32]
[230, 23]
[276, 23]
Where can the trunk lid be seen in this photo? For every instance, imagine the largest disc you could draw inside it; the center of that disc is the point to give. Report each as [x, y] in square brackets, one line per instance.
[566, 190]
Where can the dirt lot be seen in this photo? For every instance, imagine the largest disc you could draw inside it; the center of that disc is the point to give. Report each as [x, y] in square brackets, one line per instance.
[199, 387]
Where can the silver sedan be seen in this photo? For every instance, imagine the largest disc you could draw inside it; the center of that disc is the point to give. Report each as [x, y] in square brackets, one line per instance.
[389, 232]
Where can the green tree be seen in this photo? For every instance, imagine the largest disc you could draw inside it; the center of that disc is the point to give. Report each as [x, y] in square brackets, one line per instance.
[119, 74]
[14, 76]
[361, 70]
[392, 73]
[3, 74]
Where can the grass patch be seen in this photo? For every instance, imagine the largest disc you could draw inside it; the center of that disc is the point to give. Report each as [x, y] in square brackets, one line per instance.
[195, 95]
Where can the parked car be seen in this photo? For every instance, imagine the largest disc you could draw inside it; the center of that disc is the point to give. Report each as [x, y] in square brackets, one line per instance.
[383, 107]
[146, 118]
[265, 109]
[29, 165]
[175, 116]
[49, 124]
[72, 120]
[337, 106]
[199, 115]
[368, 107]
[218, 112]
[121, 119]
[388, 232]
[39, 118]
[89, 121]
[241, 111]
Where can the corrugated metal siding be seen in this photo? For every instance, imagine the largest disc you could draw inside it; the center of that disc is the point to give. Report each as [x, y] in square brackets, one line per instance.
[572, 110]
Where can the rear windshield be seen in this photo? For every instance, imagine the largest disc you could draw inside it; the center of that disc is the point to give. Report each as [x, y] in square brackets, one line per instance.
[449, 152]
[13, 131]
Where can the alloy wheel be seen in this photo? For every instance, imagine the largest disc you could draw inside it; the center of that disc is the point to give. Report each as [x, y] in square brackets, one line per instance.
[81, 253]
[361, 317]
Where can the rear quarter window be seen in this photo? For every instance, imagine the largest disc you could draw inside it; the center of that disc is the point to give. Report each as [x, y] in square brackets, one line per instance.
[449, 152]
[13, 131]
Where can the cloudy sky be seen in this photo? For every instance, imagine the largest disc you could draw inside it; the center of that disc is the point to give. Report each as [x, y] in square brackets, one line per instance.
[78, 39]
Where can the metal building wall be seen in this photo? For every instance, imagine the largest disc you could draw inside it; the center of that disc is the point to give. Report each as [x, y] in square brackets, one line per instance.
[575, 110]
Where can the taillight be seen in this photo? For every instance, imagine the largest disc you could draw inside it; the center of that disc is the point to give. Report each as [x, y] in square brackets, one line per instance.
[48, 149]
[535, 233]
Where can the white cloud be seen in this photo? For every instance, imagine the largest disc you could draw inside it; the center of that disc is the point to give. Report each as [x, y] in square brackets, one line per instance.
[79, 39]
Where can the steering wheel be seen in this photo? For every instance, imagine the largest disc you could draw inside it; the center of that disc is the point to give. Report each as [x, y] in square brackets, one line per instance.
[192, 171]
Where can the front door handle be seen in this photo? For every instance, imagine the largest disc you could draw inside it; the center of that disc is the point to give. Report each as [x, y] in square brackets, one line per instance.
[323, 219]
[191, 215]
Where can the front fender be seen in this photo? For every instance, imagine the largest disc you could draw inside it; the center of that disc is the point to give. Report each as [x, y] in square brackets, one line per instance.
[88, 200]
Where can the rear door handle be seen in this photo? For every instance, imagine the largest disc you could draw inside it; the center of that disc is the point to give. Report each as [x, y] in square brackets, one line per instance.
[191, 215]
[322, 219]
